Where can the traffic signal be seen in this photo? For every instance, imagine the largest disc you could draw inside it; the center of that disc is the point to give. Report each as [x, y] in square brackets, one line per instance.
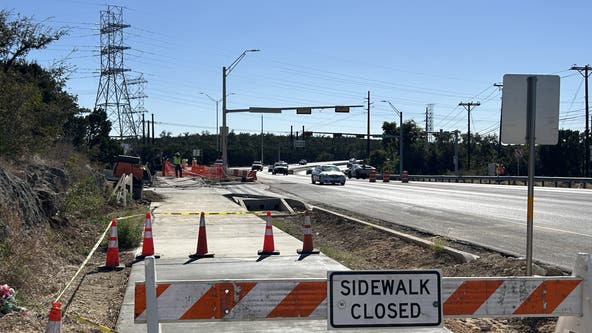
[303, 111]
[342, 109]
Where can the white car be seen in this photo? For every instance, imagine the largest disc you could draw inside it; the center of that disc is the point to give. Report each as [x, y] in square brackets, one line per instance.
[327, 174]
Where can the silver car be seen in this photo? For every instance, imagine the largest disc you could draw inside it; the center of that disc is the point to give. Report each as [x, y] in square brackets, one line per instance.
[327, 174]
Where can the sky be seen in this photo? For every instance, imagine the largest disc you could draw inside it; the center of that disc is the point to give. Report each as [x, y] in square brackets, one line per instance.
[325, 52]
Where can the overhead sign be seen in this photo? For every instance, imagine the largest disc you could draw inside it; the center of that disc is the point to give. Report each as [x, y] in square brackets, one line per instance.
[384, 299]
[299, 143]
[514, 110]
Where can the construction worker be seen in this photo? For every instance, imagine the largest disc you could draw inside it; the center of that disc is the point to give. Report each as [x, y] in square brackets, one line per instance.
[177, 163]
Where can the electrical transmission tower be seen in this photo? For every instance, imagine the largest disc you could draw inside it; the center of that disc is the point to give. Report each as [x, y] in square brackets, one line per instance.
[112, 93]
[430, 121]
[136, 86]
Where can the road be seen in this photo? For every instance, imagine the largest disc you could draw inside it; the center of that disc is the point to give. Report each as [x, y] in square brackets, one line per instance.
[493, 216]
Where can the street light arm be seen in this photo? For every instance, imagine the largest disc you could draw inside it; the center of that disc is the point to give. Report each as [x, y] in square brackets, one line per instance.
[208, 96]
[393, 107]
[240, 57]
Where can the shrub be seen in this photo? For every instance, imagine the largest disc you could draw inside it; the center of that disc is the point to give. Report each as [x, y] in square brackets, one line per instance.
[129, 232]
[84, 199]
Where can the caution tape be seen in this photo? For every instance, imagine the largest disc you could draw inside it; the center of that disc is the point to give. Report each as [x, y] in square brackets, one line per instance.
[212, 213]
[90, 322]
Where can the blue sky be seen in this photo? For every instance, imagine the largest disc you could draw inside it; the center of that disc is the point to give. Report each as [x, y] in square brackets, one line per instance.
[314, 52]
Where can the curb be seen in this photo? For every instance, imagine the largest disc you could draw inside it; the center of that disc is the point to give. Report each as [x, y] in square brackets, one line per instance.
[458, 254]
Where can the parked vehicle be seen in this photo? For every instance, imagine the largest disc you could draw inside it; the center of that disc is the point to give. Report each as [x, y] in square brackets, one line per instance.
[302, 162]
[327, 174]
[309, 171]
[280, 167]
[270, 168]
[257, 165]
[359, 171]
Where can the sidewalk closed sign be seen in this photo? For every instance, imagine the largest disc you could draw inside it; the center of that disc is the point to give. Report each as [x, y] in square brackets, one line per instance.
[384, 299]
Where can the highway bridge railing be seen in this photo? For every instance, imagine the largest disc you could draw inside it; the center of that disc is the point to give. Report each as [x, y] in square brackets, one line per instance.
[577, 182]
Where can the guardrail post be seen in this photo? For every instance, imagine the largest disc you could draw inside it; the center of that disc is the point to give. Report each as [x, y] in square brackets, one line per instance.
[582, 269]
[151, 301]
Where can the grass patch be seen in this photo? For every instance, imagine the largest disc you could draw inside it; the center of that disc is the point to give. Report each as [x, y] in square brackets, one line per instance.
[439, 243]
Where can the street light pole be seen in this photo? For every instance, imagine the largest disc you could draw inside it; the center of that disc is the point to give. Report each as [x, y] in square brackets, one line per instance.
[217, 135]
[400, 136]
[217, 101]
[225, 72]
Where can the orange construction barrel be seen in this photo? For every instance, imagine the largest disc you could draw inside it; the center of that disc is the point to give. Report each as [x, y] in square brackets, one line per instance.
[386, 177]
[372, 176]
[405, 177]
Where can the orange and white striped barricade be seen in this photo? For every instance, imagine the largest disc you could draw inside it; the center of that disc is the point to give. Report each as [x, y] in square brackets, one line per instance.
[308, 298]
[581, 323]
[461, 298]
[386, 177]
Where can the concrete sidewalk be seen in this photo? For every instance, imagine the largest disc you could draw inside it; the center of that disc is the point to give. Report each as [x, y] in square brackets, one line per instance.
[235, 240]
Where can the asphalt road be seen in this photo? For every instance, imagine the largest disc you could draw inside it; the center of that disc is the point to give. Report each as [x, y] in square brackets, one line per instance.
[493, 216]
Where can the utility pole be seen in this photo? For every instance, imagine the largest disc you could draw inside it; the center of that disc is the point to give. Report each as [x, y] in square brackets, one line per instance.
[468, 106]
[148, 131]
[153, 129]
[368, 139]
[455, 158]
[585, 71]
[500, 87]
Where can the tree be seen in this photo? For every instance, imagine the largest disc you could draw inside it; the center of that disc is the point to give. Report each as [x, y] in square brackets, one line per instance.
[20, 36]
[90, 134]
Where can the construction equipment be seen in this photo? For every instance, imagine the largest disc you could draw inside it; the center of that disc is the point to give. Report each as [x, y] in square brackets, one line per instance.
[125, 165]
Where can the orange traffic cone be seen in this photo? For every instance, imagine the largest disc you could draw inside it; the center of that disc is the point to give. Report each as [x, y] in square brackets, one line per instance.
[54, 325]
[268, 247]
[202, 240]
[307, 247]
[148, 243]
[112, 262]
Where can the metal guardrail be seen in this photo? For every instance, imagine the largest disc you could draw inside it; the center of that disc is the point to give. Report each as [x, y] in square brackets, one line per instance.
[579, 182]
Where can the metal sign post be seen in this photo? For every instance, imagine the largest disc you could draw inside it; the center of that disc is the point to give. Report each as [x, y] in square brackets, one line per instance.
[530, 118]
[530, 138]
